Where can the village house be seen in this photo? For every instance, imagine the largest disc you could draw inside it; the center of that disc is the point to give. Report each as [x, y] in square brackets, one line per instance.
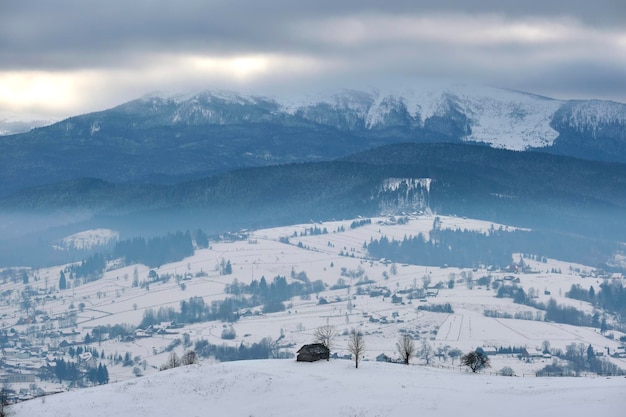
[531, 353]
[383, 358]
[313, 352]
[396, 299]
[620, 352]
[17, 378]
[490, 350]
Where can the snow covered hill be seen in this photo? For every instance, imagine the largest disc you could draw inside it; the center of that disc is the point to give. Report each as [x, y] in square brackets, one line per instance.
[287, 388]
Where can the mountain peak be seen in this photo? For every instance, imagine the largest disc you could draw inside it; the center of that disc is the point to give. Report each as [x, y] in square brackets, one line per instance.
[206, 96]
[169, 135]
[497, 117]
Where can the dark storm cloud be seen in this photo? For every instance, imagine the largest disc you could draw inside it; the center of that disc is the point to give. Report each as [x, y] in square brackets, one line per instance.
[589, 80]
[70, 33]
[67, 56]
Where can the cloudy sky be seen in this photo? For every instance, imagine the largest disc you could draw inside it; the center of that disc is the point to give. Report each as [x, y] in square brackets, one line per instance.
[64, 57]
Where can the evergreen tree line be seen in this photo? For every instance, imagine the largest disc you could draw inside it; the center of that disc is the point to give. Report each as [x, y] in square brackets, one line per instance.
[553, 311]
[470, 249]
[611, 296]
[195, 310]
[567, 314]
[359, 223]
[265, 349]
[152, 252]
[270, 296]
[89, 269]
[437, 308]
[80, 350]
[463, 249]
[201, 238]
[70, 371]
[277, 291]
[513, 291]
[312, 231]
[155, 251]
[410, 195]
[510, 350]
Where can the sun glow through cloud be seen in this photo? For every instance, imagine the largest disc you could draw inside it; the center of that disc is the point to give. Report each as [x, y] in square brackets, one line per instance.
[321, 49]
[33, 90]
[60, 93]
[239, 68]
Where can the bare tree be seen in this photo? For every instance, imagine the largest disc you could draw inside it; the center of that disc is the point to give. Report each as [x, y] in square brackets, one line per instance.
[325, 335]
[425, 351]
[426, 281]
[356, 345]
[173, 361]
[273, 347]
[406, 348]
[189, 358]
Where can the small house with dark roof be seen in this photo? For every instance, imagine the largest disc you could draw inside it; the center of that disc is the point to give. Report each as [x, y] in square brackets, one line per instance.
[396, 299]
[313, 352]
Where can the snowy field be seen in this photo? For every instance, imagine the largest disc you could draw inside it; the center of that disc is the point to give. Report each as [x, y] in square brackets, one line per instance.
[114, 300]
[288, 388]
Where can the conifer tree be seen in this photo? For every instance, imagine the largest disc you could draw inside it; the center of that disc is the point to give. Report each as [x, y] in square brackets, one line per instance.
[62, 281]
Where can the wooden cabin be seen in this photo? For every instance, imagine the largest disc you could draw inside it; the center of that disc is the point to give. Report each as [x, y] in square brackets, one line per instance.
[313, 352]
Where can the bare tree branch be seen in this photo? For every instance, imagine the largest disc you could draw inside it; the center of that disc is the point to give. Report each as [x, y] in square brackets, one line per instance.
[406, 348]
[425, 351]
[325, 335]
[189, 358]
[173, 361]
[356, 345]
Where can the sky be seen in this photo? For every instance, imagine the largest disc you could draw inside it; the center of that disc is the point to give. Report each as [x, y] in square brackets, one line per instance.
[67, 57]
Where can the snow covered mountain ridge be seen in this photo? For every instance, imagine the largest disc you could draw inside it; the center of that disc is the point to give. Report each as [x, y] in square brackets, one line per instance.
[169, 137]
[496, 117]
[499, 118]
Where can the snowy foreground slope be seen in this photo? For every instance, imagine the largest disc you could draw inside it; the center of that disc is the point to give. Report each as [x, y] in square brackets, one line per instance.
[335, 388]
